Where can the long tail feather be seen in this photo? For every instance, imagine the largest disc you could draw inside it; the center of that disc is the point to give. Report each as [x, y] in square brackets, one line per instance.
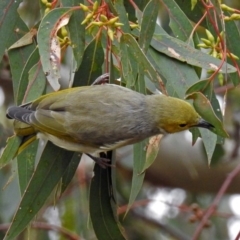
[19, 113]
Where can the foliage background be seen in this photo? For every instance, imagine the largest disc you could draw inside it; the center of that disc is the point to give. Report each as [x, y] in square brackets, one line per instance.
[179, 186]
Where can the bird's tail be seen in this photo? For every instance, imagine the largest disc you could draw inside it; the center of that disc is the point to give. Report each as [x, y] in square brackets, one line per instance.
[22, 129]
[21, 116]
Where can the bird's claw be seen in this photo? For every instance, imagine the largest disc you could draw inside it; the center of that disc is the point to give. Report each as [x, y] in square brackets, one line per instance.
[102, 162]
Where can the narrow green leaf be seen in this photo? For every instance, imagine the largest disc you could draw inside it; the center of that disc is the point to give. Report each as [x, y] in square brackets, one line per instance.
[10, 150]
[128, 70]
[104, 221]
[210, 141]
[51, 167]
[206, 87]
[204, 108]
[18, 58]
[37, 83]
[113, 156]
[25, 40]
[91, 66]
[131, 11]
[148, 23]
[198, 86]
[76, 30]
[183, 52]
[195, 134]
[113, 71]
[77, 36]
[49, 47]
[141, 4]
[70, 171]
[141, 58]
[118, 6]
[23, 82]
[138, 171]
[152, 151]
[9, 22]
[179, 23]
[26, 163]
[140, 83]
[232, 32]
[139, 153]
[193, 14]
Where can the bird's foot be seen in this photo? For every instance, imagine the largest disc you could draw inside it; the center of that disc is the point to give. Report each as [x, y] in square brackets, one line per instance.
[103, 79]
[102, 162]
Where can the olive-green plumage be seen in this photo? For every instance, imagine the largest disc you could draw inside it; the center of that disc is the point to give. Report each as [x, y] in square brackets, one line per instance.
[102, 117]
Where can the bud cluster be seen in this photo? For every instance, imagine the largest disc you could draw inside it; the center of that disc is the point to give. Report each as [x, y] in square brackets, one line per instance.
[197, 215]
[97, 16]
[235, 13]
[49, 5]
[63, 38]
[214, 46]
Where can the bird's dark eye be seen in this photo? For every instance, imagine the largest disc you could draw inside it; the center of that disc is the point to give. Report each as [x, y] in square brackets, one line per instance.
[183, 125]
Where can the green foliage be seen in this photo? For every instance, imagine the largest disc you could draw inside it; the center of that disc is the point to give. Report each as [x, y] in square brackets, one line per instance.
[103, 37]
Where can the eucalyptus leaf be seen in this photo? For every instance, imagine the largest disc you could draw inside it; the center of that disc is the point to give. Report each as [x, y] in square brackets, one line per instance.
[104, 221]
[51, 167]
[183, 52]
[10, 150]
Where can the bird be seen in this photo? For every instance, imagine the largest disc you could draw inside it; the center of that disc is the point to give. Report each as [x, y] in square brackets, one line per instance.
[99, 118]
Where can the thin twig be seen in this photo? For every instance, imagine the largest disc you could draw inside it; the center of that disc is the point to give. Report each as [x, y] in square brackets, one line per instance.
[238, 236]
[216, 201]
[46, 226]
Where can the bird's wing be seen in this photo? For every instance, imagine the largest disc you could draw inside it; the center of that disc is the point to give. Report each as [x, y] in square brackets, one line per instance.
[86, 115]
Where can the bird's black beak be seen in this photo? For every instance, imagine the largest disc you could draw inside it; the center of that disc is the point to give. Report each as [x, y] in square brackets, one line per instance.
[204, 124]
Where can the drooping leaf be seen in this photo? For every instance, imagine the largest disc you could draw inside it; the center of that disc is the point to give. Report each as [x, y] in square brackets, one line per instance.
[152, 150]
[70, 171]
[24, 78]
[148, 23]
[91, 66]
[10, 150]
[204, 108]
[104, 221]
[129, 65]
[26, 163]
[206, 88]
[76, 30]
[51, 167]
[37, 83]
[138, 172]
[183, 52]
[233, 38]
[48, 43]
[179, 23]
[209, 142]
[11, 25]
[18, 57]
[25, 40]
[141, 58]
[119, 8]
[139, 149]
[193, 14]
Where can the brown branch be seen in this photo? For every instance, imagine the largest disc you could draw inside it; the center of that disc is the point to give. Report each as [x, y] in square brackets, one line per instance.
[170, 230]
[216, 201]
[238, 236]
[46, 226]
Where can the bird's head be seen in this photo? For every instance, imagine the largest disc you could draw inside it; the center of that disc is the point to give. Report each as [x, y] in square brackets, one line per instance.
[177, 115]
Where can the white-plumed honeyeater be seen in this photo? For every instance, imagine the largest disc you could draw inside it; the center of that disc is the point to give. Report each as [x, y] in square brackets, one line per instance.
[99, 118]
